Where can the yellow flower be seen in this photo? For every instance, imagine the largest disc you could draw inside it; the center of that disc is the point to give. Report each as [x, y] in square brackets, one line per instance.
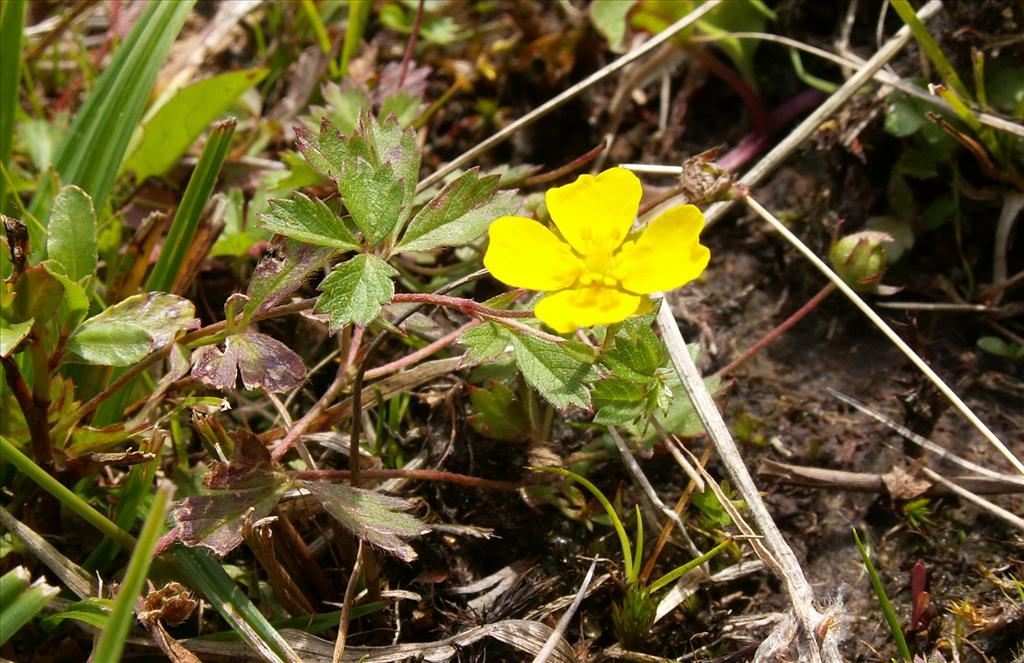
[596, 276]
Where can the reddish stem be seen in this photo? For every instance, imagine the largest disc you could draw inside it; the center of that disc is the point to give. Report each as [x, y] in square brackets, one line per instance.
[467, 306]
[411, 46]
[774, 334]
[422, 353]
[416, 475]
[35, 418]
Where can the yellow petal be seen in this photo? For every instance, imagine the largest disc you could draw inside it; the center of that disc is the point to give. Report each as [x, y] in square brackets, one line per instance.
[587, 306]
[594, 214]
[667, 255]
[525, 254]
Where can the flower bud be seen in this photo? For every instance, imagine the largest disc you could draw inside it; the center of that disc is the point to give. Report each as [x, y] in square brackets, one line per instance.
[861, 259]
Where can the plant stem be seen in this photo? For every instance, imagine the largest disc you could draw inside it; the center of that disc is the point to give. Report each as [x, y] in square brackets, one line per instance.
[422, 353]
[774, 334]
[35, 418]
[411, 46]
[413, 475]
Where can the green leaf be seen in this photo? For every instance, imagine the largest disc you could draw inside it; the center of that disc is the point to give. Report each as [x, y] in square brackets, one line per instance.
[281, 271]
[635, 354]
[558, 374]
[618, 401]
[208, 576]
[904, 114]
[94, 146]
[11, 334]
[460, 213]
[129, 330]
[345, 102]
[395, 147]
[93, 611]
[373, 195]
[75, 304]
[484, 342]
[122, 614]
[373, 517]
[169, 132]
[186, 218]
[355, 291]
[21, 599]
[72, 237]
[308, 220]
[609, 17]
[110, 343]
[499, 415]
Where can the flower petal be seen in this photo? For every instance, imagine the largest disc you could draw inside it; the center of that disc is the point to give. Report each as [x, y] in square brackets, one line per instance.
[594, 214]
[667, 254]
[525, 254]
[587, 306]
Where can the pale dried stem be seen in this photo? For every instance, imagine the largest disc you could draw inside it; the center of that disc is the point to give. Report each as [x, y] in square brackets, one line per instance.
[980, 502]
[346, 607]
[563, 623]
[882, 326]
[1013, 203]
[556, 101]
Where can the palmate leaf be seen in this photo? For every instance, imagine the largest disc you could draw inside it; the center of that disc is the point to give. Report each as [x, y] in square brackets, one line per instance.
[262, 361]
[374, 197]
[356, 290]
[373, 517]
[458, 214]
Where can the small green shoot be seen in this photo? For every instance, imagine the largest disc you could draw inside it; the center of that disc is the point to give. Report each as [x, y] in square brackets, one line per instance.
[883, 600]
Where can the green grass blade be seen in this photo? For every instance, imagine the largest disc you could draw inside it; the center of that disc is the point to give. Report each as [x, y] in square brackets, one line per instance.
[186, 220]
[122, 614]
[358, 17]
[136, 488]
[73, 502]
[221, 591]
[21, 600]
[11, 24]
[930, 48]
[883, 600]
[679, 571]
[94, 147]
[631, 573]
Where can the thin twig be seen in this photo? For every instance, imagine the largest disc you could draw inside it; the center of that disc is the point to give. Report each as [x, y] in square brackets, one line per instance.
[346, 606]
[995, 510]
[553, 103]
[563, 623]
[924, 442]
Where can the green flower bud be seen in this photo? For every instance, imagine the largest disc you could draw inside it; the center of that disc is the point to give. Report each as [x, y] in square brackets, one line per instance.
[861, 259]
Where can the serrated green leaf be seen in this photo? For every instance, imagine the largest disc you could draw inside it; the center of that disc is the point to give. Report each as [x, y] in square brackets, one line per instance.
[11, 334]
[373, 195]
[355, 290]
[618, 401]
[395, 147]
[555, 372]
[635, 354]
[484, 342]
[460, 213]
[499, 415]
[129, 330]
[169, 132]
[72, 237]
[345, 102]
[372, 516]
[403, 106]
[308, 220]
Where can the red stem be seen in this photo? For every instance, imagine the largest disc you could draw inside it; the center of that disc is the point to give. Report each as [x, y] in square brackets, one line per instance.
[418, 475]
[411, 46]
[774, 334]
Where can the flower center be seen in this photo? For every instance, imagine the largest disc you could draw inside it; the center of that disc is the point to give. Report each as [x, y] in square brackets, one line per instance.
[598, 268]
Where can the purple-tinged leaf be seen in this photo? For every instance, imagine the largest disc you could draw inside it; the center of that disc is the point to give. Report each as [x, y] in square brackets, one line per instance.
[249, 481]
[250, 465]
[215, 521]
[263, 362]
[374, 517]
[282, 270]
